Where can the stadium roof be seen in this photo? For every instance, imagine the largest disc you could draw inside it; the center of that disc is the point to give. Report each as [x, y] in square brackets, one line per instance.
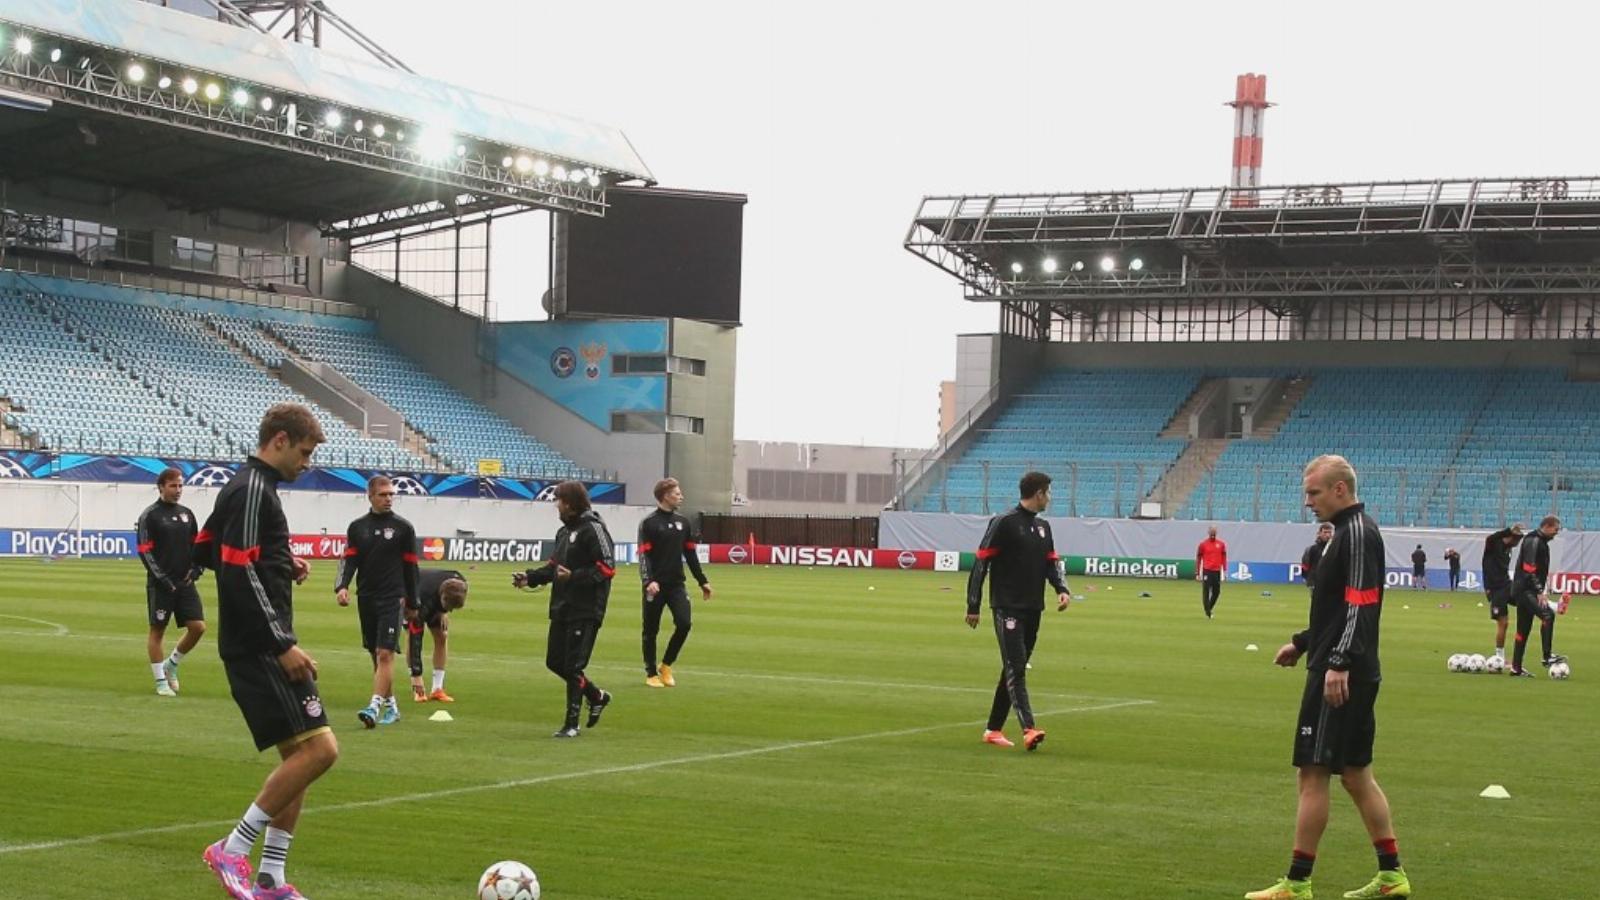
[448, 144]
[1503, 236]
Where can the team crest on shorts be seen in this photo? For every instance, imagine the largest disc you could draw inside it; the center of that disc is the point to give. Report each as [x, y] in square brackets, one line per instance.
[313, 706]
[161, 615]
[1011, 624]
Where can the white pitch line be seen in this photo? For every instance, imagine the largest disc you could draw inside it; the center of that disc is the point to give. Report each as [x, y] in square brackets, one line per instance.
[60, 629]
[6, 849]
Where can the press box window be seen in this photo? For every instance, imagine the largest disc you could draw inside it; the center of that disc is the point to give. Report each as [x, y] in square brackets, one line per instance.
[638, 364]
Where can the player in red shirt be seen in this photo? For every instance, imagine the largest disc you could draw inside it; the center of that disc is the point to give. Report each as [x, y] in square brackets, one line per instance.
[1210, 563]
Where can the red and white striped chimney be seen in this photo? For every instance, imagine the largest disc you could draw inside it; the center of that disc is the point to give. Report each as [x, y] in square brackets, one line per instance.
[1249, 118]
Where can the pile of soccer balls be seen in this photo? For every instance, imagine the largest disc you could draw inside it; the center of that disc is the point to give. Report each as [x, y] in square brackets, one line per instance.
[1476, 662]
[508, 880]
[1494, 665]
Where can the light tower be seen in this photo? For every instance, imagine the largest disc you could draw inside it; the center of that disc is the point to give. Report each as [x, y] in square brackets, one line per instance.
[1249, 118]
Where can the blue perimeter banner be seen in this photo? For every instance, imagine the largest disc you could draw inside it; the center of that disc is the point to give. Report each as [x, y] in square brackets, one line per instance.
[1290, 573]
[143, 470]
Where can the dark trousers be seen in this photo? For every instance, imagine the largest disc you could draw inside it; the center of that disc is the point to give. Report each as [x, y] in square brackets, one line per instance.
[1017, 631]
[1455, 578]
[1528, 609]
[414, 632]
[566, 653]
[1211, 590]
[676, 598]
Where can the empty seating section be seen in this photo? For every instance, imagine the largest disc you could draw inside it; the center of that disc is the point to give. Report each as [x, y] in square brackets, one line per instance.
[1095, 433]
[245, 333]
[1539, 430]
[1399, 427]
[222, 393]
[461, 431]
[72, 395]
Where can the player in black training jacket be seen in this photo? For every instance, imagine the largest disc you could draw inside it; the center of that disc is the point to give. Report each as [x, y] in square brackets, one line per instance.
[580, 570]
[1017, 556]
[274, 682]
[1497, 580]
[166, 531]
[1337, 725]
[666, 543]
[440, 592]
[1313, 555]
[381, 554]
[1527, 592]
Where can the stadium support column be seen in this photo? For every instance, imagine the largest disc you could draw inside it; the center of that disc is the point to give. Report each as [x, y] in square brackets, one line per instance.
[1249, 118]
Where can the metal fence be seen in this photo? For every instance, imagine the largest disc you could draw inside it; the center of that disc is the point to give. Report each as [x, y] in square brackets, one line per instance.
[1406, 497]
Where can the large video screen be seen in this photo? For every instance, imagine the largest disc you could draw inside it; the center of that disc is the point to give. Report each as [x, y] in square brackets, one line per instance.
[657, 253]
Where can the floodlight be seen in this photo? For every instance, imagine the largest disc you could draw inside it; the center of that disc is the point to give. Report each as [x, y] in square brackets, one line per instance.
[1107, 264]
[55, 55]
[241, 97]
[135, 73]
[560, 173]
[1077, 265]
[190, 85]
[266, 104]
[541, 168]
[524, 165]
[164, 82]
[1016, 268]
[332, 119]
[506, 162]
[575, 176]
[359, 126]
[24, 44]
[433, 145]
[213, 91]
[1136, 264]
[1049, 264]
[594, 179]
[378, 130]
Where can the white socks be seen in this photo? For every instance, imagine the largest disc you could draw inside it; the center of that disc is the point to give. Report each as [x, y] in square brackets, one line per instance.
[177, 656]
[438, 679]
[160, 673]
[249, 828]
[274, 853]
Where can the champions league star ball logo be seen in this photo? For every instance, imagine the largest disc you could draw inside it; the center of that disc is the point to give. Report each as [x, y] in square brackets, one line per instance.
[10, 468]
[405, 484]
[563, 362]
[547, 495]
[211, 476]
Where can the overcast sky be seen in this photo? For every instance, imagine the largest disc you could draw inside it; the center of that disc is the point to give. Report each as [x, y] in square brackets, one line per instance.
[837, 118]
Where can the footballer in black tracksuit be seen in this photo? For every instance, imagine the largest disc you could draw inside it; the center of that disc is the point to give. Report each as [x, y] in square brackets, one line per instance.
[1497, 572]
[428, 612]
[666, 543]
[1346, 603]
[381, 555]
[166, 533]
[1017, 556]
[1308, 563]
[577, 607]
[246, 542]
[1527, 592]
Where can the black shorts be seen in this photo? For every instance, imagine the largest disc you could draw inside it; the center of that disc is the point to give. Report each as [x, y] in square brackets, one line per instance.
[380, 623]
[276, 709]
[181, 605]
[1499, 602]
[1336, 738]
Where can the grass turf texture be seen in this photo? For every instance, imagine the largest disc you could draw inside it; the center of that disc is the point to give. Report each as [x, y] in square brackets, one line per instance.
[823, 741]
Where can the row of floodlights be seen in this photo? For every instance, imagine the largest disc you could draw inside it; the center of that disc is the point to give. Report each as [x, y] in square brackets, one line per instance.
[432, 145]
[1050, 266]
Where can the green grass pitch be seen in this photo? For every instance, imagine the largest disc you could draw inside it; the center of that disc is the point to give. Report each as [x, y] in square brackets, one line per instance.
[822, 742]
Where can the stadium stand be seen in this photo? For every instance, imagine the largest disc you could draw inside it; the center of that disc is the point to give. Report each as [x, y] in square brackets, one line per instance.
[1103, 424]
[461, 431]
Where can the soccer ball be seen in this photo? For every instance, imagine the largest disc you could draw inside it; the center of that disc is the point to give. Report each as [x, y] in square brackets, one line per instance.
[1560, 671]
[211, 476]
[405, 484]
[508, 880]
[1457, 662]
[1476, 662]
[1494, 665]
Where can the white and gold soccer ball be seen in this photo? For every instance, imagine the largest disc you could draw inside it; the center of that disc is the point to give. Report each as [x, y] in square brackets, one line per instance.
[508, 880]
[1561, 671]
